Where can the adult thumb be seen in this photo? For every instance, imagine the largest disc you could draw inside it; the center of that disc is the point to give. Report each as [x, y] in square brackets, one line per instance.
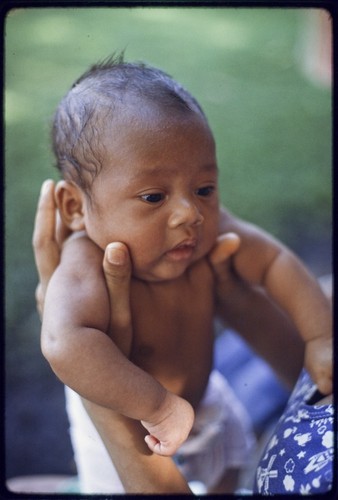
[116, 261]
[227, 244]
[117, 270]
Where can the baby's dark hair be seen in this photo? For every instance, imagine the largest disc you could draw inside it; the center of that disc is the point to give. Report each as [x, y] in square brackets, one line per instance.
[99, 94]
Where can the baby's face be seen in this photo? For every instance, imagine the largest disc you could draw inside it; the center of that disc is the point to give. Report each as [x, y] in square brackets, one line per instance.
[157, 193]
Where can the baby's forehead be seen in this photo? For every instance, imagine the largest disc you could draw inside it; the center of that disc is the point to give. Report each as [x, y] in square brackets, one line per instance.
[142, 117]
[151, 137]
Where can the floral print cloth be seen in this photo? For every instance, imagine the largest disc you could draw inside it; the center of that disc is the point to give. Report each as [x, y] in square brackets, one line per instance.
[298, 458]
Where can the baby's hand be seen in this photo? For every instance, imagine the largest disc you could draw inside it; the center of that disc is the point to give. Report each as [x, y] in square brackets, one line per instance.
[170, 426]
[318, 362]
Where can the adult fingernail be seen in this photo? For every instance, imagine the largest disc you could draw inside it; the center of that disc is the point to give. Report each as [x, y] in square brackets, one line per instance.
[116, 255]
[45, 186]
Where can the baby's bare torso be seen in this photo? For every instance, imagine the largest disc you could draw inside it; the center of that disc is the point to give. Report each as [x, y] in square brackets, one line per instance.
[173, 330]
[172, 321]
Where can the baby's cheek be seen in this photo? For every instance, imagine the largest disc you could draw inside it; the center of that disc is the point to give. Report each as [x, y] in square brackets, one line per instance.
[142, 261]
[211, 237]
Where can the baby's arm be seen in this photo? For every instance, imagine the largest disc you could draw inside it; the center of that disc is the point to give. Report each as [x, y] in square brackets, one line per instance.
[261, 260]
[299, 293]
[74, 340]
[139, 470]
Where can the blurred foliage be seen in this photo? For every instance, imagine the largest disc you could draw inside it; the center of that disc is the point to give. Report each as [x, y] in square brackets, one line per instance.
[272, 125]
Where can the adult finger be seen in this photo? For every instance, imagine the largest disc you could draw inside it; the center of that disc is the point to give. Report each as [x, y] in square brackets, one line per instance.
[62, 231]
[227, 244]
[40, 299]
[46, 248]
[117, 270]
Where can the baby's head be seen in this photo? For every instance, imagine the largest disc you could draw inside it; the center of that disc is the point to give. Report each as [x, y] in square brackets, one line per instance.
[138, 159]
[106, 94]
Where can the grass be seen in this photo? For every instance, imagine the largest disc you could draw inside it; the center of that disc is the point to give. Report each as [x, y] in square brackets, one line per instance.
[272, 124]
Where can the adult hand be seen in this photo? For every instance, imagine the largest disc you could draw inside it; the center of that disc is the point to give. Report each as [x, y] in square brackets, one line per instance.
[249, 311]
[166, 429]
[227, 244]
[227, 283]
[169, 427]
[48, 236]
[117, 271]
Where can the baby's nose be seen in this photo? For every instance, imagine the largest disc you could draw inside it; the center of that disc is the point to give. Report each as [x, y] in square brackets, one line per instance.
[187, 213]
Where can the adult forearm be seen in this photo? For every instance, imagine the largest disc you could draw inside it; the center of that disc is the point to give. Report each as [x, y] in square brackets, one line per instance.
[268, 331]
[140, 470]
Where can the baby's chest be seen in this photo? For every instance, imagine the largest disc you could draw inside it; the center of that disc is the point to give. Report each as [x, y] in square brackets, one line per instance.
[174, 320]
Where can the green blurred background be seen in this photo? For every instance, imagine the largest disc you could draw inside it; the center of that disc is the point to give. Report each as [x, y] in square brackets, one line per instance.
[249, 69]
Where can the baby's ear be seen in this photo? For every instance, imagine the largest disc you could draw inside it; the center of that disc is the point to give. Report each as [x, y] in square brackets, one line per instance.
[70, 202]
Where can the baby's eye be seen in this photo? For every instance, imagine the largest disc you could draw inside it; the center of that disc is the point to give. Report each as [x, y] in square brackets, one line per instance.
[153, 197]
[205, 191]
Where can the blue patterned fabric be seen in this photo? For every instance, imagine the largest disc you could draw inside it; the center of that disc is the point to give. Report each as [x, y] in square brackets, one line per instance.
[298, 458]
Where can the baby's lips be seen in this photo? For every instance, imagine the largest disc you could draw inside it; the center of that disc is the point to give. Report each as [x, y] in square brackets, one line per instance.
[189, 242]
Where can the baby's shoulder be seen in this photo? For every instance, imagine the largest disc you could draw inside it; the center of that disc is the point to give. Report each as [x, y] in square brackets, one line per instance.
[80, 252]
[77, 287]
[248, 232]
[82, 243]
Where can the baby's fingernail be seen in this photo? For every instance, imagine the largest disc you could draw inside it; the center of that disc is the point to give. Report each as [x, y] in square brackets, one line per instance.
[116, 255]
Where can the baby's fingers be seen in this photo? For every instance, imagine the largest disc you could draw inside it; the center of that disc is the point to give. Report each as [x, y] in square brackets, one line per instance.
[323, 379]
[319, 363]
[159, 448]
[325, 386]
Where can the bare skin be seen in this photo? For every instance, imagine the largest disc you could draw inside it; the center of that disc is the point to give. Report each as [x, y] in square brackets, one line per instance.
[131, 361]
[138, 468]
[134, 463]
[290, 287]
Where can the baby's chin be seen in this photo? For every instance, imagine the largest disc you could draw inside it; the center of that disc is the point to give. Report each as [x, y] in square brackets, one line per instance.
[158, 277]
[167, 271]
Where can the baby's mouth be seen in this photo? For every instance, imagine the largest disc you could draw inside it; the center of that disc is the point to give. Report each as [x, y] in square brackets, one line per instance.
[182, 251]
